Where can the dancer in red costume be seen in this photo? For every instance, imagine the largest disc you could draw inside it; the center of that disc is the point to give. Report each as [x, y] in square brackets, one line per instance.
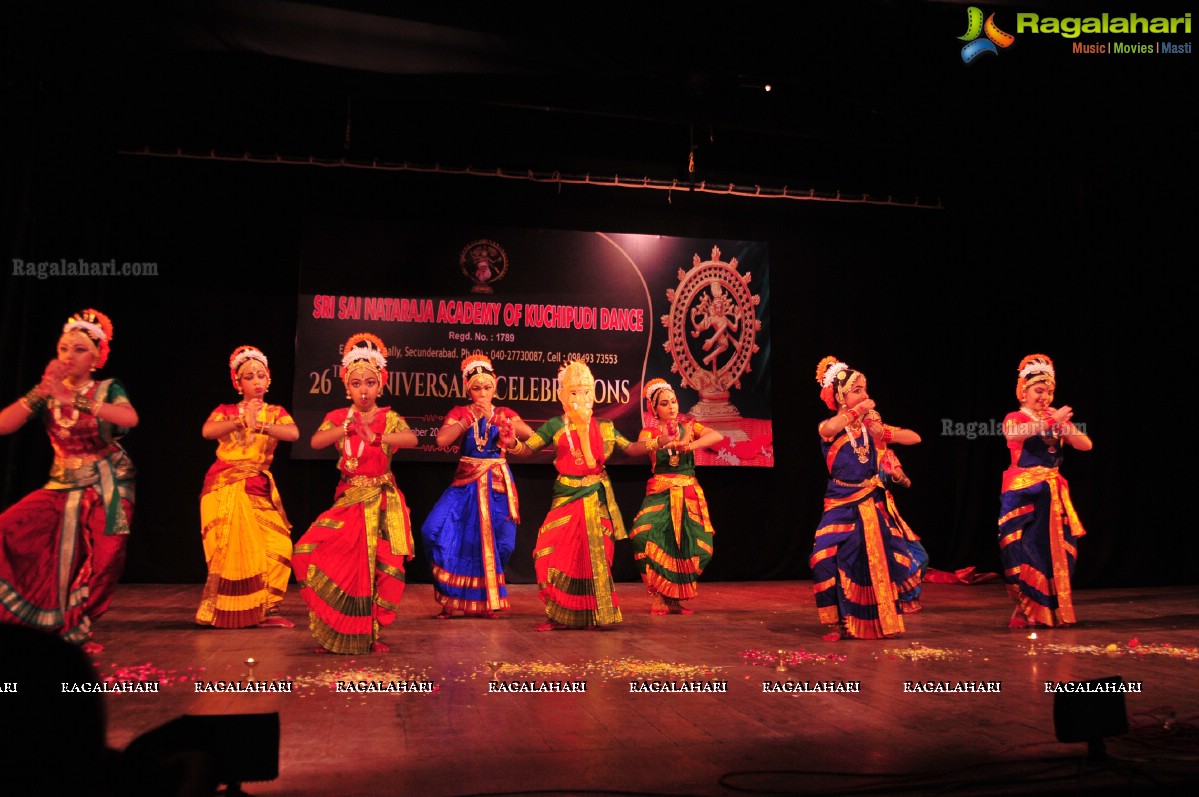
[573, 553]
[350, 562]
[62, 548]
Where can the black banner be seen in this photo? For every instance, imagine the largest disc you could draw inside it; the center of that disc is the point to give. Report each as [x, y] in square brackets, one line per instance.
[632, 306]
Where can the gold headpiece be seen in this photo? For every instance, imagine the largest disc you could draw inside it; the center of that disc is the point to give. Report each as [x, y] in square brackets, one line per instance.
[1033, 369]
[651, 390]
[835, 379]
[364, 351]
[95, 328]
[476, 366]
[575, 374]
[242, 355]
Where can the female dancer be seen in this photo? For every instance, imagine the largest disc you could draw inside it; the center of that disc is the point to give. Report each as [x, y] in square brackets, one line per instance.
[866, 572]
[350, 562]
[62, 548]
[672, 534]
[1038, 527]
[573, 553]
[247, 539]
[472, 529]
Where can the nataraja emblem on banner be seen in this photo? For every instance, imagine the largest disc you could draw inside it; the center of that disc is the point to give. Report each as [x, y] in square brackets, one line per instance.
[712, 302]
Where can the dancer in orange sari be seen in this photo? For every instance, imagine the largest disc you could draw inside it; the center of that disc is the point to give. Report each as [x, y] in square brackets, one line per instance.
[247, 539]
[672, 534]
[350, 562]
[1039, 530]
[62, 548]
[573, 553]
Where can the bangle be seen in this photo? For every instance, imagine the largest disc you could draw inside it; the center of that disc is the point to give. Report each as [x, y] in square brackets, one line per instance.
[34, 401]
[651, 445]
[265, 429]
[378, 441]
[852, 415]
[82, 403]
[887, 435]
[517, 447]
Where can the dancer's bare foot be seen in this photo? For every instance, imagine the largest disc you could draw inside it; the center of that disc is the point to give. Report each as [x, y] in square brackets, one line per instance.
[380, 647]
[659, 607]
[1018, 620]
[836, 634]
[92, 647]
[276, 621]
[676, 606]
[445, 614]
[551, 626]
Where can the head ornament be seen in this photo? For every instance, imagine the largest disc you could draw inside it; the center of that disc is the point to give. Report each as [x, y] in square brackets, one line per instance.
[245, 354]
[652, 389]
[1033, 369]
[95, 327]
[835, 379]
[364, 351]
[475, 367]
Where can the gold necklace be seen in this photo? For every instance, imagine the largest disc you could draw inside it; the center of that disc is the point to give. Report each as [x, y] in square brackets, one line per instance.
[673, 457]
[351, 459]
[578, 454]
[56, 407]
[481, 441]
[863, 451]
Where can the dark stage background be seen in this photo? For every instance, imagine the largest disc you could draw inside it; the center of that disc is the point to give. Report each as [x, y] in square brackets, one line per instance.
[1040, 202]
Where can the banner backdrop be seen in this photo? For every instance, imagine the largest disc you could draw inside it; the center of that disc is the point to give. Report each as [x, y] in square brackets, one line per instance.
[633, 307]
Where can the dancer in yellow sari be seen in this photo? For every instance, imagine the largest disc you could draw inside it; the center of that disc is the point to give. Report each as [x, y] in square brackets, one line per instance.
[247, 539]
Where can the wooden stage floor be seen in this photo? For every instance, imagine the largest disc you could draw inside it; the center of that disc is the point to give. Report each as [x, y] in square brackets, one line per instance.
[461, 739]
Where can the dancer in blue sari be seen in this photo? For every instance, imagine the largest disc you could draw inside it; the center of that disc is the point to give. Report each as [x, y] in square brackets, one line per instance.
[866, 562]
[1039, 530]
[471, 531]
